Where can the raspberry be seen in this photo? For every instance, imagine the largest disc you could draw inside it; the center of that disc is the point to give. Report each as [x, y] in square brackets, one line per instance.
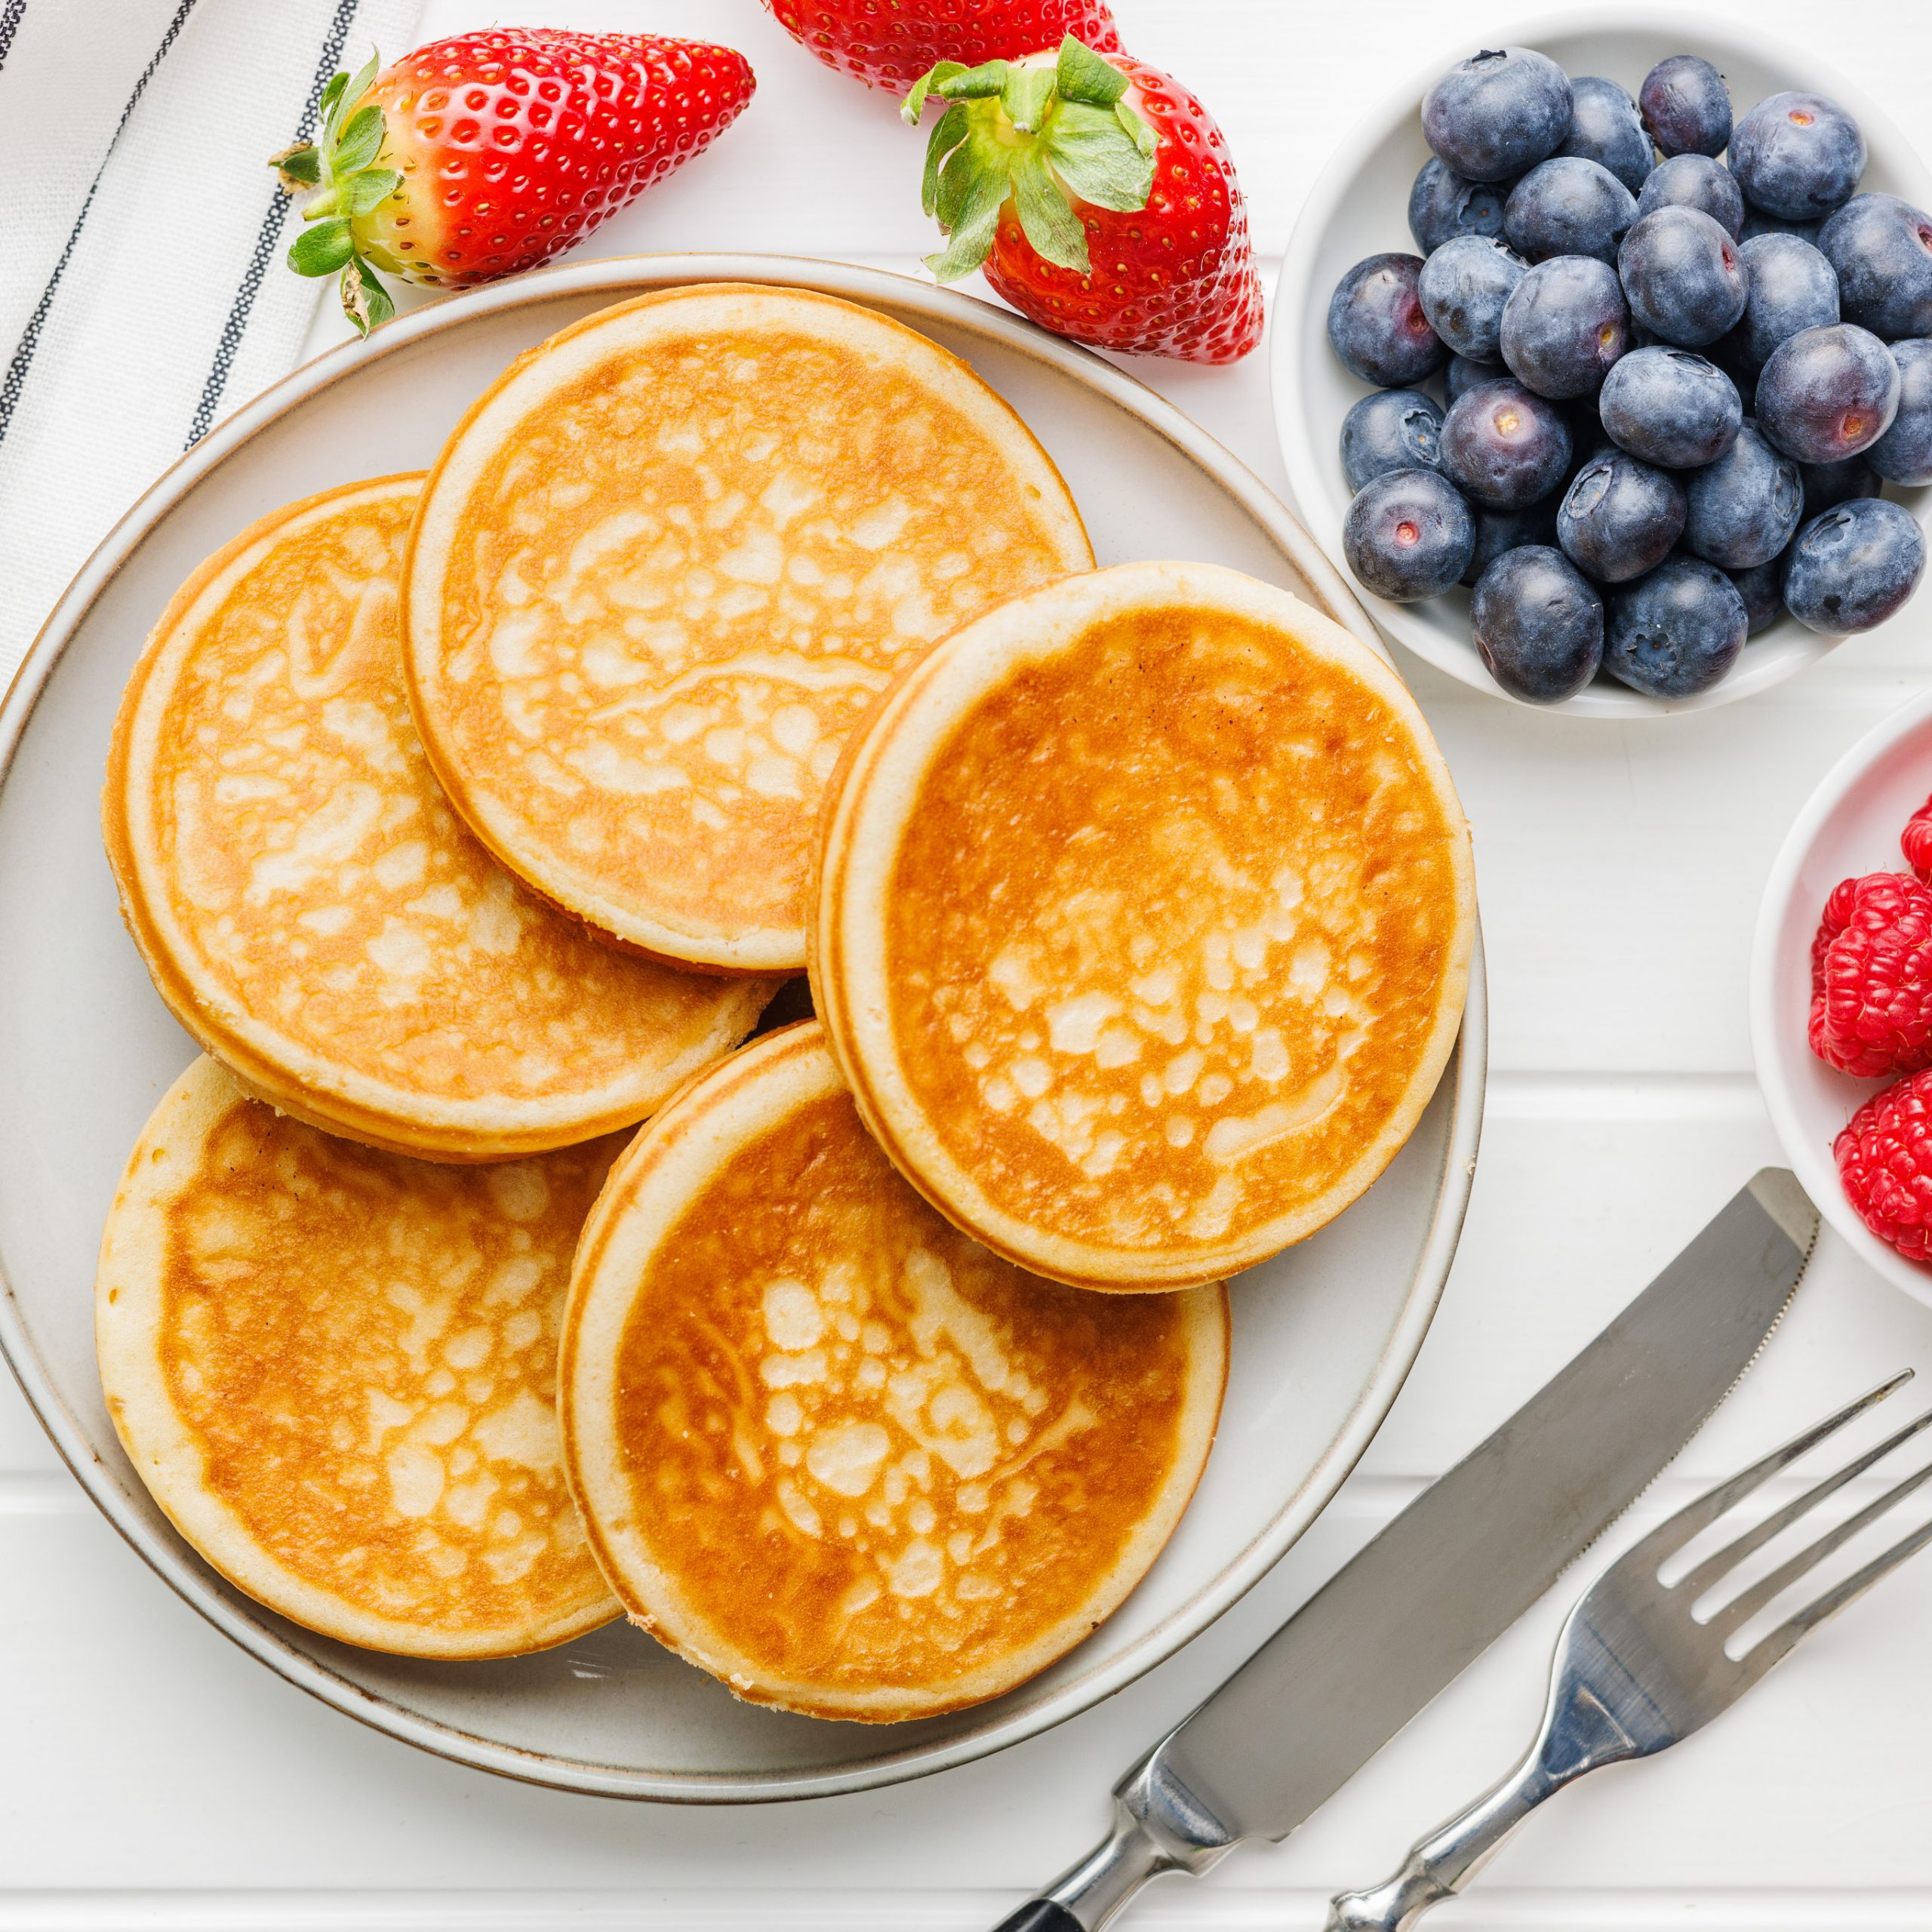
[1871, 977]
[1915, 842]
[1884, 1158]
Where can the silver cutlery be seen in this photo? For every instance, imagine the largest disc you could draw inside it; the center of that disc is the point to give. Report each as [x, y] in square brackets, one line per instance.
[1636, 1670]
[1451, 1573]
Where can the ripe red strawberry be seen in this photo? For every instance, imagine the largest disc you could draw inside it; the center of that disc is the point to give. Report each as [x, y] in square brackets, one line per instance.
[1885, 1159]
[1915, 842]
[1871, 977]
[890, 43]
[489, 152]
[1098, 196]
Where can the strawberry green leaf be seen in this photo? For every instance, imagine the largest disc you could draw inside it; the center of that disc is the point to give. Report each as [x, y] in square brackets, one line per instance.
[360, 142]
[1051, 225]
[360, 83]
[364, 300]
[1082, 76]
[949, 131]
[323, 249]
[914, 103]
[1141, 131]
[1090, 152]
[299, 167]
[1026, 96]
[972, 234]
[373, 186]
[331, 98]
[981, 83]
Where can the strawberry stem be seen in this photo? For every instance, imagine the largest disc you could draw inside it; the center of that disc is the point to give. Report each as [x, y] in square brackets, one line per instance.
[1047, 134]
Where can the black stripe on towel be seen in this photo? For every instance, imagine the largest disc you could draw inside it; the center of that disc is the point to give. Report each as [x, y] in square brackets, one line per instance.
[16, 377]
[10, 25]
[268, 239]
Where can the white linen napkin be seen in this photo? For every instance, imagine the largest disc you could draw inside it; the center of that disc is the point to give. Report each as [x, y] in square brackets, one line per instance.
[143, 291]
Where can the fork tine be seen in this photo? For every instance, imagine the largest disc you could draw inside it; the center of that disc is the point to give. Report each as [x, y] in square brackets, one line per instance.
[1740, 1610]
[1774, 1644]
[1695, 1517]
[1721, 1563]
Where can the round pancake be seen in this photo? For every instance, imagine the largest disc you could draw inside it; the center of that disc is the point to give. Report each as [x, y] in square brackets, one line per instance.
[310, 908]
[335, 1369]
[1142, 924]
[664, 565]
[832, 1451]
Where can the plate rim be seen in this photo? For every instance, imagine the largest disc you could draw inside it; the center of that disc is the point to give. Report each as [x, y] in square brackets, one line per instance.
[1776, 1043]
[1300, 460]
[183, 1573]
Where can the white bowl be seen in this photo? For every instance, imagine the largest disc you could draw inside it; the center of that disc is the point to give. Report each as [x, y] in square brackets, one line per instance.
[1359, 206]
[1850, 825]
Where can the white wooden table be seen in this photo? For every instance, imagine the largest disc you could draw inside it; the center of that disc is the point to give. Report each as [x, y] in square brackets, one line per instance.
[152, 1776]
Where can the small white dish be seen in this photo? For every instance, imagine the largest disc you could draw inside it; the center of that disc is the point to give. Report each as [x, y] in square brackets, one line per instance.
[1358, 206]
[1850, 825]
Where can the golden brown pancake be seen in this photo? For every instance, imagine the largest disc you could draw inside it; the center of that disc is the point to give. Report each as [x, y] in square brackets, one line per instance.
[832, 1451]
[664, 566]
[335, 1369]
[312, 911]
[1143, 924]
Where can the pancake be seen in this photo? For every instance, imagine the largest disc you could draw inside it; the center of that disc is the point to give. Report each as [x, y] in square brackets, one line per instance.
[1143, 923]
[310, 908]
[663, 566]
[832, 1451]
[335, 1369]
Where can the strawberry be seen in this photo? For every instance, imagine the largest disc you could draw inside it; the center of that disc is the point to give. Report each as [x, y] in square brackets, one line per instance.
[489, 152]
[1098, 196]
[890, 45]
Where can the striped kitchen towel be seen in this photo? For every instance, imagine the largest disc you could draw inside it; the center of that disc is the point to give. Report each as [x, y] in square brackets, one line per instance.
[142, 292]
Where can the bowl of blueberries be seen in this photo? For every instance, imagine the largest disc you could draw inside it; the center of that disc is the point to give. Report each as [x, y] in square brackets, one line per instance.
[1603, 363]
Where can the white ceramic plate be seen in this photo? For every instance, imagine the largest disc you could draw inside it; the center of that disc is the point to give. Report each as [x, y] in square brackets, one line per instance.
[1323, 1337]
[1359, 206]
[1850, 825]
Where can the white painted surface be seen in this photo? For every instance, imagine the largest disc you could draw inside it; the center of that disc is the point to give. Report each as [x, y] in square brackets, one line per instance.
[151, 1776]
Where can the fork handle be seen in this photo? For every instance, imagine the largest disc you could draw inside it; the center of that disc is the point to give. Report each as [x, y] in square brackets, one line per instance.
[1445, 1861]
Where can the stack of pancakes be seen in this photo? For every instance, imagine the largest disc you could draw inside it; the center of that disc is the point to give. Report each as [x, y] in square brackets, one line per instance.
[465, 819]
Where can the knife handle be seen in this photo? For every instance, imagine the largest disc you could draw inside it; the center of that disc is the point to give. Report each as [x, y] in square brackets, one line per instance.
[1040, 1915]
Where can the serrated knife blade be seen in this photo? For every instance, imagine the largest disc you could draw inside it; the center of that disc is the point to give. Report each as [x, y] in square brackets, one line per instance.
[1404, 1618]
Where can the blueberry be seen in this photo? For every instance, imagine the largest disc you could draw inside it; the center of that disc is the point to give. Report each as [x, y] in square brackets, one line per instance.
[1503, 447]
[1852, 567]
[1408, 534]
[1881, 248]
[1377, 326]
[1695, 181]
[1756, 222]
[1792, 288]
[1464, 375]
[1682, 275]
[1566, 323]
[1463, 286]
[1676, 632]
[1762, 588]
[1620, 518]
[1391, 430]
[1568, 206]
[1828, 393]
[1498, 113]
[1903, 454]
[1442, 205]
[1501, 531]
[1798, 156]
[1686, 106]
[1826, 484]
[1606, 127]
[1671, 408]
[1538, 625]
[1743, 507]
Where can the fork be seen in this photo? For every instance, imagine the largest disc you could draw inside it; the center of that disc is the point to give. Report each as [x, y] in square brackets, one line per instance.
[1635, 1671]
